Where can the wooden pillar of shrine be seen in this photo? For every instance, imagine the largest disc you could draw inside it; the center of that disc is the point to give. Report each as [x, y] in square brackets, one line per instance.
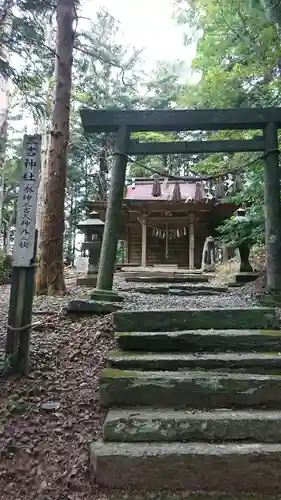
[191, 242]
[143, 242]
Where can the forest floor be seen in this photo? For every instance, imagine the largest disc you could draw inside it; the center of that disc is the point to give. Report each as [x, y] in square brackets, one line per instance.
[48, 419]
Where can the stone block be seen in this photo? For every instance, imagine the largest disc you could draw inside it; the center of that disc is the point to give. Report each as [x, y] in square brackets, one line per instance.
[90, 281]
[148, 425]
[80, 306]
[246, 362]
[106, 295]
[230, 468]
[191, 389]
[173, 319]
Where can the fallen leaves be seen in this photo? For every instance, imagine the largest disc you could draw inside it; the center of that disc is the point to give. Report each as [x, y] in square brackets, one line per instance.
[48, 419]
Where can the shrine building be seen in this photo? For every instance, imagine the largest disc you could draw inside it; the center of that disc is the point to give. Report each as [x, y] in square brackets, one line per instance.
[166, 222]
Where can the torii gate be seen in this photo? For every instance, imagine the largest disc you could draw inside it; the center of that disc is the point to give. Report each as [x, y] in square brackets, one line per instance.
[124, 122]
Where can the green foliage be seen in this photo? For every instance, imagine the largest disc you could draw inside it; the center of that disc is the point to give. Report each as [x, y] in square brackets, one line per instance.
[238, 61]
[249, 229]
[5, 268]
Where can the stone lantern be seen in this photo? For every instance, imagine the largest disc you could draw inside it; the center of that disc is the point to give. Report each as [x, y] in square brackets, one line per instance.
[92, 228]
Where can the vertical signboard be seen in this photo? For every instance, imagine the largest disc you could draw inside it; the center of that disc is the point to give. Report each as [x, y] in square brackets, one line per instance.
[27, 201]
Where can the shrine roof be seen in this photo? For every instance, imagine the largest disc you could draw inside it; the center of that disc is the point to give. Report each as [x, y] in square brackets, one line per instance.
[142, 190]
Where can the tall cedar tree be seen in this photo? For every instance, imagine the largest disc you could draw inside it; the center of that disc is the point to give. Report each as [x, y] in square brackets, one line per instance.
[50, 277]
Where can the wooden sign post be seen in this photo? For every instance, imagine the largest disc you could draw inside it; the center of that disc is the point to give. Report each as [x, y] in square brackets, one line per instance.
[24, 259]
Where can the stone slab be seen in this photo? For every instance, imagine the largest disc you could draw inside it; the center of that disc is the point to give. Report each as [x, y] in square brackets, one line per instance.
[80, 306]
[133, 494]
[186, 286]
[87, 281]
[191, 341]
[270, 299]
[192, 389]
[195, 467]
[249, 362]
[160, 278]
[235, 285]
[106, 295]
[173, 319]
[141, 425]
[188, 292]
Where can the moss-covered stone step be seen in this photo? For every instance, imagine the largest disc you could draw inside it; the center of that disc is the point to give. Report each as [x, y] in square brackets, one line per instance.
[195, 467]
[191, 319]
[250, 362]
[191, 341]
[145, 424]
[192, 389]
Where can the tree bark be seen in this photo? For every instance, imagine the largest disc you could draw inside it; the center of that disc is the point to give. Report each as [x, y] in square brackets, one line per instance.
[3, 141]
[44, 130]
[50, 277]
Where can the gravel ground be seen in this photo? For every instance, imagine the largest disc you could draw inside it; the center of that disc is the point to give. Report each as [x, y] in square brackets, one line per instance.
[48, 419]
[235, 297]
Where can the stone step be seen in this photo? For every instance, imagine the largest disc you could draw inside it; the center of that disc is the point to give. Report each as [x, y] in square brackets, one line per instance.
[201, 340]
[172, 278]
[250, 362]
[192, 389]
[196, 467]
[146, 424]
[177, 291]
[178, 286]
[191, 319]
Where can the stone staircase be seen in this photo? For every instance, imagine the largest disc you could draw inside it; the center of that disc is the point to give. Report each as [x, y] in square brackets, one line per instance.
[194, 401]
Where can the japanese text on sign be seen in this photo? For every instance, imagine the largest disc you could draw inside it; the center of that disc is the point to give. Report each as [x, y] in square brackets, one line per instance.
[27, 201]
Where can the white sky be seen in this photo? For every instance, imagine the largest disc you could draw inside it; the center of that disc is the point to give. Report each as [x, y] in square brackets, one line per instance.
[149, 24]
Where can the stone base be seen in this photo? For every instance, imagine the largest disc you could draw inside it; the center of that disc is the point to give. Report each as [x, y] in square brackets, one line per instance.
[195, 467]
[148, 425]
[106, 295]
[91, 307]
[188, 389]
[90, 280]
[245, 277]
[163, 320]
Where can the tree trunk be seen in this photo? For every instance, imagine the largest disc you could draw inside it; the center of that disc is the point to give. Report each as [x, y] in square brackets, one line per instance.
[45, 126]
[3, 140]
[50, 277]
